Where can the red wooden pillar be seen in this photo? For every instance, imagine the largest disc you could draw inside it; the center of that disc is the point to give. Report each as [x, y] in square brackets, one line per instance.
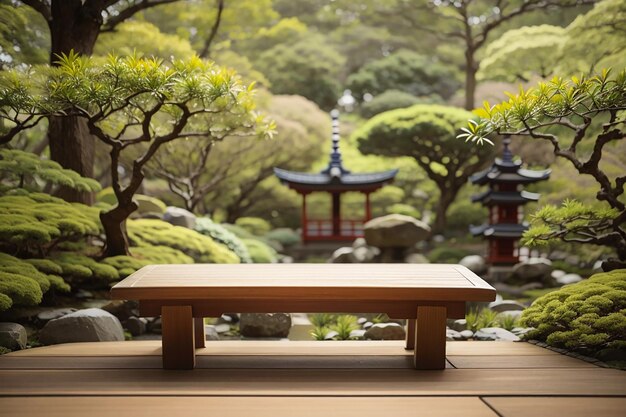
[336, 215]
[305, 221]
[368, 209]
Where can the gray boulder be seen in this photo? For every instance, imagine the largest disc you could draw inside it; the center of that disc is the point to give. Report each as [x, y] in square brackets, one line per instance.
[495, 333]
[342, 256]
[506, 305]
[89, 325]
[136, 325]
[459, 325]
[474, 263]
[466, 334]
[265, 324]
[385, 331]
[395, 230]
[210, 333]
[569, 279]
[534, 269]
[416, 258]
[453, 335]
[122, 309]
[12, 336]
[557, 273]
[180, 217]
[55, 313]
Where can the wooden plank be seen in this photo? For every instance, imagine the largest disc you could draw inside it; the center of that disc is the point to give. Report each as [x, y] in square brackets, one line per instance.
[246, 406]
[178, 343]
[430, 338]
[514, 361]
[198, 332]
[306, 281]
[275, 347]
[305, 382]
[570, 407]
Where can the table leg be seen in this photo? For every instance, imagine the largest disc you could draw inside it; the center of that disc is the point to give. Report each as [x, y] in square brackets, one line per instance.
[178, 341]
[430, 338]
[410, 334]
[198, 332]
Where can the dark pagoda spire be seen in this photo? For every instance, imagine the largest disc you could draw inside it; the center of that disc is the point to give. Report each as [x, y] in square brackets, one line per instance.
[335, 165]
[507, 155]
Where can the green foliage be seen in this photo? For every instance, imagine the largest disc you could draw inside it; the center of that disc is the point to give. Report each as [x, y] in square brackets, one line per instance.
[25, 169]
[520, 53]
[220, 234]
[147, 204]
[254, 225]
[322, 319]
[46, 266]
[240, 232]
[446, 255]
[77, 267]
[589, 315]
[21, 283]
[344, 325]
[33, 223]
[24, 37]
[571, 221]
[260, 252]
[309, 67]
[407, 71]
[284, 235]
[477, 320]
[320, 333]
[404, 209]
[508, 322]
[390, 100]
[148, 232]
[588, 112]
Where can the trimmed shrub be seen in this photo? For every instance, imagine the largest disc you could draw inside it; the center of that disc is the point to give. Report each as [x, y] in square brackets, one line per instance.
[146, 255]
[284, 235]
[238, 231]
[147, 204]
[254, 225]
[446, 255]
[394, 99]
[150, 232]
[220, 234]
[260, 252]
[404, 209]
[80, 267]
[589, 315]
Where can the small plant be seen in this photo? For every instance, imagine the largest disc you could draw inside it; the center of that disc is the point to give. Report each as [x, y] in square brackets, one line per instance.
[477, 320]
[508, 322]
[322, 319]
[320, 333]
[344, 326]
[380, 318]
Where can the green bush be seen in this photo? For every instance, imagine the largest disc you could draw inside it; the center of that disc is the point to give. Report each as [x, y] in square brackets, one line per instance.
[260, 252]
[146, 255]
[394, 99]
[35, 222]
[220, 234]
[150, 232]
[589, 315]
[238, 231]
[147, 204]
[21, 283]
[254, 225]
[285, 236]
[78, 267]
[404, 209]
[446, 255]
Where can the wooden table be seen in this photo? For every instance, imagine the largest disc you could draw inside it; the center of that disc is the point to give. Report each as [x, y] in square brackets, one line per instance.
[426, 294]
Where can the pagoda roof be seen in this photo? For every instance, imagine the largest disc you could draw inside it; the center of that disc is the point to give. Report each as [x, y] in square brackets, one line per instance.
[335, 179]
[499, 230]
[491, 197]
[507, 170]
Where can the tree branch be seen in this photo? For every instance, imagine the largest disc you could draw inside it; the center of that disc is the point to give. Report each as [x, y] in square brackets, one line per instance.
[204, 53]
[128, 12]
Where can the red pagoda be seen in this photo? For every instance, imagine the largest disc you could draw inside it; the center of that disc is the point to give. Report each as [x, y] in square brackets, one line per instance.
[334, 179]
[505, 199]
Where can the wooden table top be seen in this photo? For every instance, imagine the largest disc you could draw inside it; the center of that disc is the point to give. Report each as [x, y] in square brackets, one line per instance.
[443, 282]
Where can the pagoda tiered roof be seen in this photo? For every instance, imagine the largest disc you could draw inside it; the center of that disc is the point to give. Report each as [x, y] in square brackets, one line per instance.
[499, 230]
[335, 177]
[491, 197]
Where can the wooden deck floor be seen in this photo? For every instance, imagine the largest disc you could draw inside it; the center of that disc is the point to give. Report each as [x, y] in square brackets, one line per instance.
[291, 379]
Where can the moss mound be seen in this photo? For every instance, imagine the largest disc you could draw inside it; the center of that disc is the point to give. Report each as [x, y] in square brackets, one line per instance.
[220, 234]
[150, 232]
[589, 315]
[254, 225]
[260, 252]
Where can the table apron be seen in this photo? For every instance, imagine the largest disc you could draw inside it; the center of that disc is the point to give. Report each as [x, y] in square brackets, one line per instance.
[215, 308]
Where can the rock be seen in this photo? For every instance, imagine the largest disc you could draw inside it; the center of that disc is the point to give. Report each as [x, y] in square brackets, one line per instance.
[122, 309]
[210, 333]
[557, 273]
[222, 327]
[149, 205]
[466, 334]
[597, 266]
[83, 294]
[357, 334]
[367, 325]
[48, 315]
[385, 331]
[136, 325]
[611, 355]
[154, 325]
[474, 263]
[342, 256]
[264, 324]
[286, 260]
[180, 217]
[520, 331]
[364, 254]
[506, 305]
[12, 336]
[416, 258]
[330, 335]
[573, 260]
[459, 325]
[534, 269]
[569, 279]
[361, 320]
[359, 242]
[509, 313]
[89, 325]
[453, 335]
[395, 230]
[495, 333]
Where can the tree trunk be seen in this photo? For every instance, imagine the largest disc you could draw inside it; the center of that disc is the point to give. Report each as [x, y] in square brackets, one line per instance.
[73, 27]
[471, 67]
[114, 223]
[448, 194]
